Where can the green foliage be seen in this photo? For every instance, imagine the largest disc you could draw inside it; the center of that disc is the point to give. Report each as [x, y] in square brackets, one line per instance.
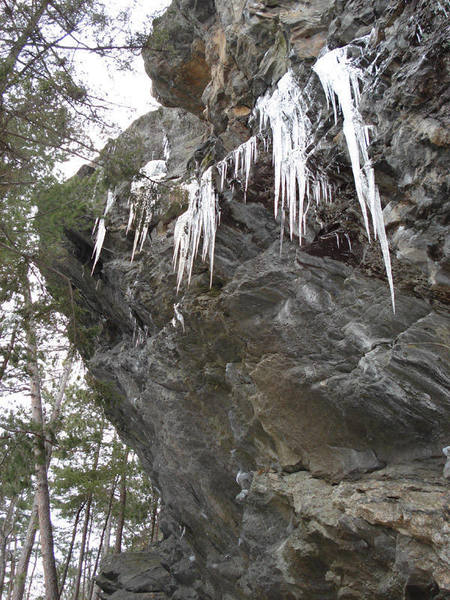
[16, 453]
[69, 205]
[122, 158]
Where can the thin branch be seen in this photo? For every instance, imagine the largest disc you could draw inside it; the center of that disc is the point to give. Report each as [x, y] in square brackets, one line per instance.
[30, 432]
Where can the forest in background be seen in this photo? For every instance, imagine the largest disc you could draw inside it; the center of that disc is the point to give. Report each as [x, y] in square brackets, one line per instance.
[70, 491]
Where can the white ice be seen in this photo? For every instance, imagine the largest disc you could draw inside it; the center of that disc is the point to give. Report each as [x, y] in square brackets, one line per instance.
[285, 111]
[340, 77]
[142, 201]
[200, 220]
[100, 227]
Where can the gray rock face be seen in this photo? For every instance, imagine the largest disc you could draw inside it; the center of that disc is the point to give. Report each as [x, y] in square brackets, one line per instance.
[291, 368]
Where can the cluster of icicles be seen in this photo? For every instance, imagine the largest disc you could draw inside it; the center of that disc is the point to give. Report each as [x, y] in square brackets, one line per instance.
[141, 202]
[285, 111]
[296, 184]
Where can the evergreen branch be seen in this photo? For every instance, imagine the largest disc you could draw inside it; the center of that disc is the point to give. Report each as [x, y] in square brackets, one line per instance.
[28, 432]
[38, 261]
[9, 351]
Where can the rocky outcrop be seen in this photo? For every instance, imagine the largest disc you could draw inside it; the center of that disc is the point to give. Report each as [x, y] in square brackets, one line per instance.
[293, 424]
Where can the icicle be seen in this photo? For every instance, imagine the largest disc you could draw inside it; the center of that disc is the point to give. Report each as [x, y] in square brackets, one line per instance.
[285, 110]
[144, 195]
[101, 232]
[101, 229]
[244, 157]
[340, 77]
[166, 148]
[201, 219]
[222, 167]
[178, 316]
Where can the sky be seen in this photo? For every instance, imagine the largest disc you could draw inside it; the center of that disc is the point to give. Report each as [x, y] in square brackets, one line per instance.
[129, 91]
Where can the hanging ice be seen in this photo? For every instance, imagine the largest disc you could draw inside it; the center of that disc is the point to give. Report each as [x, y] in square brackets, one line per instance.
[141, 204]
[101, 229]
[144, 195]
[340, 77]
[178, 316]
[285, 110]
[242, 160]
[166, 148]
[200, 220]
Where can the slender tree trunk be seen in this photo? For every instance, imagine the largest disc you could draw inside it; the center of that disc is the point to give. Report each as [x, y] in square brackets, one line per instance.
[84, 532]
[87, 559]
[43, 498]
[33, 570]
[86, 522]
[3, 561]
[107, 540]
[12, 570]
[69, 553]
[102, 537]
[154, 514]
[20, 43]
[122, 505]
[25, 554]
[5, 532]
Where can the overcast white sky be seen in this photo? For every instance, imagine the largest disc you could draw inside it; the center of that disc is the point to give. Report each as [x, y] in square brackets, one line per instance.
[129, 90]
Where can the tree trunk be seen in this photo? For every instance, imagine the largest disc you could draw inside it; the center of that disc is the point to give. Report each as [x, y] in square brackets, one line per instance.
[87, 560]
[12, 569]
[87, 515]
[10, 61]
[5, 532]
[33, 570]
[69, 554]
[25, 554]
[102, 537]
[84, 534]
[122, 505]
[154, 513]
[42, 493]
[107, 540]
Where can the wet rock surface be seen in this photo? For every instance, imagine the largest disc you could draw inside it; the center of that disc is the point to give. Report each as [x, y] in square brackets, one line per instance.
[291, 370]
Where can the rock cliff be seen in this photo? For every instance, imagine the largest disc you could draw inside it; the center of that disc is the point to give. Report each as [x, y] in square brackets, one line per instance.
[293, 423]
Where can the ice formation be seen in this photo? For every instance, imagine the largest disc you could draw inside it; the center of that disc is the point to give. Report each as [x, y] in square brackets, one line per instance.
[144, 195]
[141, 204]
[166, 148]
[242, 159]
[201, 219]
[285, 110]
[340, 77]
[296, 184]
[99, 229]
[178, 316]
